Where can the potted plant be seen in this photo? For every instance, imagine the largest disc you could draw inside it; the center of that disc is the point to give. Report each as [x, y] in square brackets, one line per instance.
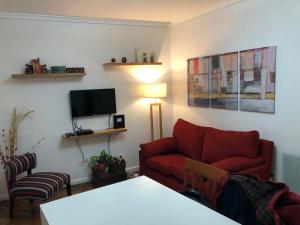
[117, 164]
[107, 169]
[100, 163]
[105, 163]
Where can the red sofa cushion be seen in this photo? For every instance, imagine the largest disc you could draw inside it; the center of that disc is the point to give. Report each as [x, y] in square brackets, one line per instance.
[290, 198]
[158, 147]
[237, 164]
[189, 138]
[177, 170]
[290, 214]
[222, 144]
[162, 163]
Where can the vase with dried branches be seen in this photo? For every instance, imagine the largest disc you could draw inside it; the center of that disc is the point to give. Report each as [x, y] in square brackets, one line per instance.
[16, 119]
[8, 145]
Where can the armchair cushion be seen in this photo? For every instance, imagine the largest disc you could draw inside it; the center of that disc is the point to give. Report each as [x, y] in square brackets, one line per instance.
[222, 144]
[163, 163]
[158, 147]
[39, 185]
[237, 164]
[189, 138]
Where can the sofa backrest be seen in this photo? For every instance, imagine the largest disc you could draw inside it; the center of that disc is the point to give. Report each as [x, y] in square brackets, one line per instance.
[222, 144]
[189, 138]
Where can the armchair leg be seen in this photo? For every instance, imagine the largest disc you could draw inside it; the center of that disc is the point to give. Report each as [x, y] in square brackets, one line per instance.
[11, 207]
[69, 190]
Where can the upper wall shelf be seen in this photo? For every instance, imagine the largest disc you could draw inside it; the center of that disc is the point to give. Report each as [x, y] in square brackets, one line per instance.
[47, 75]
[133, 64]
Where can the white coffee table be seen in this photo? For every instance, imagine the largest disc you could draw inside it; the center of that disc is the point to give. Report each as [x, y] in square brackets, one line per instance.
[139, 201]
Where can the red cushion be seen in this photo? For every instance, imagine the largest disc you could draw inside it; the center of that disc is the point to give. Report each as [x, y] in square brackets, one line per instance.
[162, 163]
[222, 144]
[158, 147]
[189, 138]
[177, 170]
[290, 198]
[290, 214]
[236, 164]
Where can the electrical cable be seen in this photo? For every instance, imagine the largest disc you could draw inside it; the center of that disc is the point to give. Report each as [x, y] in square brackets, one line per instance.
[75, 127]
[80, 149]
[109, 116]
[108, 143]
[109, 136]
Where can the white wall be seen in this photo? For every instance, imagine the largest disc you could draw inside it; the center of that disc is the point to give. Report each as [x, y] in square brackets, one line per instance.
[246, 25]
[77, 42]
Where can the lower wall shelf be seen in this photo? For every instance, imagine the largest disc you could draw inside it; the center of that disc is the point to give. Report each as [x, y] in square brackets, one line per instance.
[96, 133]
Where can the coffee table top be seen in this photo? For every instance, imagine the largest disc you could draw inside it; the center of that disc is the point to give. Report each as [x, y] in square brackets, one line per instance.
[139, 201]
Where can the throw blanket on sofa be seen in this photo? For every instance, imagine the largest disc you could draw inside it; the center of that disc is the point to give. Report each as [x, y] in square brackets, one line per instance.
[255, 197]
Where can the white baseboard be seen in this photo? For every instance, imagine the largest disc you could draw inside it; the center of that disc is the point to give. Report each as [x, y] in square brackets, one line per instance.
[88, 179]
[132, 169]
[81, 180]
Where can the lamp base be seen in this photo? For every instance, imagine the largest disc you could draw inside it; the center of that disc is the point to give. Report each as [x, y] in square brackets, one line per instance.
[152, 106]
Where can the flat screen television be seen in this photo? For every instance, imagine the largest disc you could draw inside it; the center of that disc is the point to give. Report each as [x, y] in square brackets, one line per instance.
[92, 102]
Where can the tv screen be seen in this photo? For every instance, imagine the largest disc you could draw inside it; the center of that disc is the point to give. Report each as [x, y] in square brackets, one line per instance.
[92, 102]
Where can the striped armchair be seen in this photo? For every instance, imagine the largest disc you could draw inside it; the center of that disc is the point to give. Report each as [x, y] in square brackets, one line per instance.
[33, 186]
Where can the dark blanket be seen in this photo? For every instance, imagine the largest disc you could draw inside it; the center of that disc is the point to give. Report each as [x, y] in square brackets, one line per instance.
[234, 204]
[249, 200]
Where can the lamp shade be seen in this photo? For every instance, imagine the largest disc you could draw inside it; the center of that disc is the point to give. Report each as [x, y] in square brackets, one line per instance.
[158, 90]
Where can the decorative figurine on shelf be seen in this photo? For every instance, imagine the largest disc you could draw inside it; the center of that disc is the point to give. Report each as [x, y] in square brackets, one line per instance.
[124, 59]
[113, 60]
[136, 58]
[152, 57]
[44, 69]
[145, 60]
[36, 66]
[28, 69]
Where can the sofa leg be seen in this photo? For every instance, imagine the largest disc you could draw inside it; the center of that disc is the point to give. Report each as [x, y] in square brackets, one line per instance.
[11, 207]
[69, 190]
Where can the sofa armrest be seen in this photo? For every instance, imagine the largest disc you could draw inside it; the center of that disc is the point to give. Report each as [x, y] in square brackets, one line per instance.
[142, 161]
[266, 149]
[158, 147]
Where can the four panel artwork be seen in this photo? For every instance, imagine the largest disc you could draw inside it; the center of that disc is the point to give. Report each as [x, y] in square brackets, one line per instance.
[217, 81]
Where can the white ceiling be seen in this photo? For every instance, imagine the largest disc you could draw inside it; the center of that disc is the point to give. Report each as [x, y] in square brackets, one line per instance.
[173, 11]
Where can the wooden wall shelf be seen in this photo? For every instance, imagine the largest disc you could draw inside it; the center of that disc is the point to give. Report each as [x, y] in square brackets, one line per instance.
[48, 75]
[133, 64]
[97, 133]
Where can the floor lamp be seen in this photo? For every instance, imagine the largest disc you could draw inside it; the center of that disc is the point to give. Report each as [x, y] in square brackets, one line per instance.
[155, 91]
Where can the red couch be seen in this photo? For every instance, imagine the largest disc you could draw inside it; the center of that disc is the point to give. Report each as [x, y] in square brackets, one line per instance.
[233, 151]
[287, 209]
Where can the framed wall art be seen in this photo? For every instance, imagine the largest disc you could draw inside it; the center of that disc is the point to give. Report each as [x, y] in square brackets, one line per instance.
[198, 82]
[257, 80]
[224, 81]
[217, 82]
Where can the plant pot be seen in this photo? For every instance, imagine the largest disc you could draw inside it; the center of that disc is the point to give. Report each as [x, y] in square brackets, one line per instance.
[98, 168]
[117, 168]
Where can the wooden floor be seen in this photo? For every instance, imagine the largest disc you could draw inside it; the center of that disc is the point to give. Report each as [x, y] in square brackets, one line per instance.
[27, 213]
